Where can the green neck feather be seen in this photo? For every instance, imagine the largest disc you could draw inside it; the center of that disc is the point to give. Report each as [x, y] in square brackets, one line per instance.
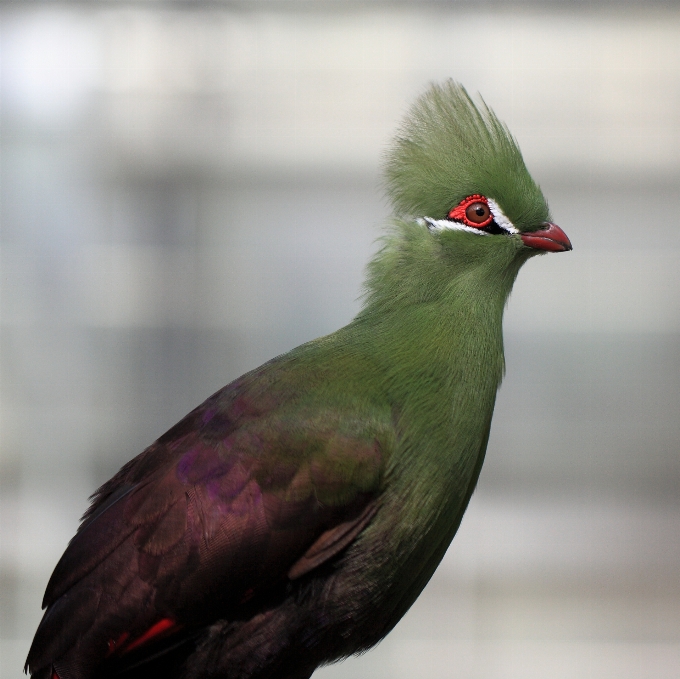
[433, 318]
[432, 322]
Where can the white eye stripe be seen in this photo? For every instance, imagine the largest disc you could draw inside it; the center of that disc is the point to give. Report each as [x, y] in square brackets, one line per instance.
[448, 224]
[500, 218]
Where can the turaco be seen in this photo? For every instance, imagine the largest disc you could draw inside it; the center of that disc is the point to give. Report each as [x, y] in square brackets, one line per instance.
[294, 517]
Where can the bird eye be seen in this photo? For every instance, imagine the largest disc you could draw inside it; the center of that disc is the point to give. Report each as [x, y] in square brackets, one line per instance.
[472, 211]
[477, 213]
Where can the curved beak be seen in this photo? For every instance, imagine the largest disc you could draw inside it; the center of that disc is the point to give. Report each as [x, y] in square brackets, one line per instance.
[550, 238]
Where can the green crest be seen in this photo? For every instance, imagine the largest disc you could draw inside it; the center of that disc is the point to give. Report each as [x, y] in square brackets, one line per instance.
[448, 148]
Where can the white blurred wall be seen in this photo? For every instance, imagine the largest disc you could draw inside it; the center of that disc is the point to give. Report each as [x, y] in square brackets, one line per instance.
[187, 191]
[588, 90]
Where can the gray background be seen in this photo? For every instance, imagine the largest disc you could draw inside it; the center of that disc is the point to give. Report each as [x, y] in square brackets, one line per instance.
[189, 189]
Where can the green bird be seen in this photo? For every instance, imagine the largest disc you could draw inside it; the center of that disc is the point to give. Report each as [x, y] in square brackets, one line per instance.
[294, 517]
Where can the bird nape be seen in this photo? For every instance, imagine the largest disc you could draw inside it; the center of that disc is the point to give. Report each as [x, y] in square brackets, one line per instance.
[293, 518]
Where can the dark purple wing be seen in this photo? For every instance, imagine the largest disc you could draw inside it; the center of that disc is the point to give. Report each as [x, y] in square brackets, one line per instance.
[239, 497]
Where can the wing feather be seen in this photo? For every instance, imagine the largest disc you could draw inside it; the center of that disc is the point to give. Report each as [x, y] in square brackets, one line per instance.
[236, 500]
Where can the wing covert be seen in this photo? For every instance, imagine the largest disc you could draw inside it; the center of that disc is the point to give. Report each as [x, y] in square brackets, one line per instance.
[237, 499]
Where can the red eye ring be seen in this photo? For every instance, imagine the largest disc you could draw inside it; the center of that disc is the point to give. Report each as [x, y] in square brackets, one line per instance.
[462, 212]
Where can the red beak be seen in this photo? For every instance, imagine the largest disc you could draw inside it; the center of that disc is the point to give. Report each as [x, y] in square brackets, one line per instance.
[550, 238]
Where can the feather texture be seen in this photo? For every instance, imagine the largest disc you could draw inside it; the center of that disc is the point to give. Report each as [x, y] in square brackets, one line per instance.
[294, 517]
[446, 135]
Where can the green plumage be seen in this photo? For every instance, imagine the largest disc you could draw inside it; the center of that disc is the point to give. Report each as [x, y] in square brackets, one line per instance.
[449, 148]
[431, 332]
[294, 517]
[424, 358]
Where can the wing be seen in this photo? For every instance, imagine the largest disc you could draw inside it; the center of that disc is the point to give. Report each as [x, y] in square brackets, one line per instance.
[253, 489]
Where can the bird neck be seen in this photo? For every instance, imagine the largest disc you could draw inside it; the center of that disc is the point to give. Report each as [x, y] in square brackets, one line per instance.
[432, 325]
[434, 315]
[434, 319]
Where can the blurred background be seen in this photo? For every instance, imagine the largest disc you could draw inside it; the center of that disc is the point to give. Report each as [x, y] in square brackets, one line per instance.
[190, 188]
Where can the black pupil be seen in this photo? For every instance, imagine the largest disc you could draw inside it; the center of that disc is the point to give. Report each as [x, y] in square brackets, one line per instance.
[480, 211]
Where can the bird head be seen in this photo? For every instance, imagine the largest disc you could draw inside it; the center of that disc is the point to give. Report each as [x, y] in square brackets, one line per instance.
[458, 171]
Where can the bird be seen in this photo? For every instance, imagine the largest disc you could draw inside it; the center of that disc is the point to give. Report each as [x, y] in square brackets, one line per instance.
[293, 518]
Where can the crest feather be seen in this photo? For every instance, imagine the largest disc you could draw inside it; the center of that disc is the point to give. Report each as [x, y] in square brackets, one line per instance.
[448, 148]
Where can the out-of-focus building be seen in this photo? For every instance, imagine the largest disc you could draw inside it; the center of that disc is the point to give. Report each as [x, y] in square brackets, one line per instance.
[188, 189]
